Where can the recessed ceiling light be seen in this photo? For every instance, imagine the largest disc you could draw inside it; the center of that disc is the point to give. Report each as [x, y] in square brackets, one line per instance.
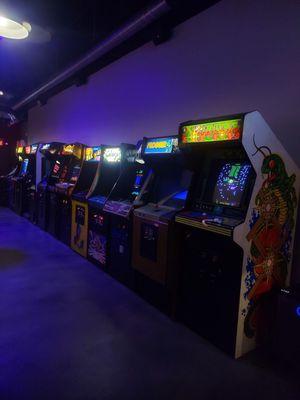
[1, 93]
[12, 29]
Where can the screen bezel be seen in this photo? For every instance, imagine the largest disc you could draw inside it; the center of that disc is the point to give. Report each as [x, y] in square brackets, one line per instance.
[53, 175]
[215, 170]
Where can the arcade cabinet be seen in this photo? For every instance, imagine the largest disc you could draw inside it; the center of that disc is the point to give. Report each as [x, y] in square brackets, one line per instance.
[20, 152]
[154, 256]
[50, 175]
[286, 330]
[237, 229]
[23, 182]
[60, 193]
[79, 228]
[108, 171]
[32, 190]
[129, 192]
[5, 181]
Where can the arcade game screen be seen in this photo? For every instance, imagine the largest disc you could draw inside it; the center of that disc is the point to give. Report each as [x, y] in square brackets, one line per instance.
[45, 146]
[34, 148]
[56, 169]
[75, 174]
[138, 183]
[231, 183]
[24, 166]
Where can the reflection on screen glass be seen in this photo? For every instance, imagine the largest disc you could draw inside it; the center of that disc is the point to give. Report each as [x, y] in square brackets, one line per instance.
[24, 166]
[178, 200]
[181, 195]
[231, 184]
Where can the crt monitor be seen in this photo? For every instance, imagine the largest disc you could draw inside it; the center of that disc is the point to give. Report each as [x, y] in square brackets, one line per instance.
[75, 173]
[56, 169]
[230, 185]
[24, 166]
[138, 182]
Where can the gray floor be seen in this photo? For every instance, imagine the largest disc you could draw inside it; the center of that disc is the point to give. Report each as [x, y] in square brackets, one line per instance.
[68, 331]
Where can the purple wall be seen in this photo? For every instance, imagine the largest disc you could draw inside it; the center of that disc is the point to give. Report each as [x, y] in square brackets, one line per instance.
[236, 56]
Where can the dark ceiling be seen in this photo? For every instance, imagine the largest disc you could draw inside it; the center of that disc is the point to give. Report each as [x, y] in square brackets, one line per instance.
[62, 31]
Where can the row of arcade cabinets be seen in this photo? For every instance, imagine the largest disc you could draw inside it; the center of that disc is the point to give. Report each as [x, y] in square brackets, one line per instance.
[200, 224]
[215, 234]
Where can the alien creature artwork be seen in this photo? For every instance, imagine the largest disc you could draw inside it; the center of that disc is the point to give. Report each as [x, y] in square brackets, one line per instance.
[270, 235]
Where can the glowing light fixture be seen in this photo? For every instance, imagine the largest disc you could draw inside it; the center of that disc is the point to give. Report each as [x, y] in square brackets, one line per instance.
[12, 29]
[1, 93]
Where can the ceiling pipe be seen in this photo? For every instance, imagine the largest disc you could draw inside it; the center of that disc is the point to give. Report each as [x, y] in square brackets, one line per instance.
[120, 36]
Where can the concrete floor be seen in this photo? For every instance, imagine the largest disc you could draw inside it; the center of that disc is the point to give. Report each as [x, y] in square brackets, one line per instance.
[68, 331]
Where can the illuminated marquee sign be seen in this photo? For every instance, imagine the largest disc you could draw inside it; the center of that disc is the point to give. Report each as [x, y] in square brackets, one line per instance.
[27, 149]
[68, 149]
[19, 150]
[3, 142]
[34, 148]
[165, 145]
[45, 146]
[93, 153]
[212, 131]
[112, 154]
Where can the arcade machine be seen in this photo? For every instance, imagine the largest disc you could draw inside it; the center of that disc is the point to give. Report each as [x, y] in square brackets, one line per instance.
[60, 193]
[285, 331]
[154, 256]
[32, 189]
[129, 192]
[23, 182]
[20, 153]
[109, 169]
[5, 181]
[237, 229]
[79, 228]
[50, 175]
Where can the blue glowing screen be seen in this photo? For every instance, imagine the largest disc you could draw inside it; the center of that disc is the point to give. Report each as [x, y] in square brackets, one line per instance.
[24, 167]
[298, 311]
[137, 182]
[231, 184]
[181, 195]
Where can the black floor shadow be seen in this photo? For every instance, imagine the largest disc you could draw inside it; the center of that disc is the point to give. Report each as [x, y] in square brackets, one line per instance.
[11, 257]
